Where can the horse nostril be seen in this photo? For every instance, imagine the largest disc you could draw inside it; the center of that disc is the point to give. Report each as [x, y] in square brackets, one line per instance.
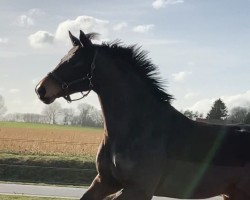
[41, 91]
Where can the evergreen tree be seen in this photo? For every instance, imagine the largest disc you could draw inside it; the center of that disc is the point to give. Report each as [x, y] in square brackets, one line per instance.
[218, 110]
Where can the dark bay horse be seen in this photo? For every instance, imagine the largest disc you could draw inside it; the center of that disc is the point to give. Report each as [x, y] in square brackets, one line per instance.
[148, 148]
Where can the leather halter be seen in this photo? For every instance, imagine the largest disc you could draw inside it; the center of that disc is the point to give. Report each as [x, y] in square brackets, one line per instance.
[66, 85]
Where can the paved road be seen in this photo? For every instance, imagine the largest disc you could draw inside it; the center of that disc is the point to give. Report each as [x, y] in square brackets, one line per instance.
[53, 191]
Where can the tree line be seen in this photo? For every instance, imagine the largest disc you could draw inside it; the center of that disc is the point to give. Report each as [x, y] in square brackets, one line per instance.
[84, 115]
[87, 115]
[219, 111]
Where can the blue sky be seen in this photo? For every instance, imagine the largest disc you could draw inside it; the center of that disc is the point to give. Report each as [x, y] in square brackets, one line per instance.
[202, 48]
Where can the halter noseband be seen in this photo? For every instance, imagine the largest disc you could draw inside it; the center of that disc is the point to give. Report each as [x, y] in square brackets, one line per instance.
[66, 85]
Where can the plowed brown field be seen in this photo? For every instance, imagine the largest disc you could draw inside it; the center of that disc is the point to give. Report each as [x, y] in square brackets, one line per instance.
[49, 140]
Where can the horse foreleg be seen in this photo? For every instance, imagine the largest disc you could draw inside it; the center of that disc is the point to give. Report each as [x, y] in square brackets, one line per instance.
[130, 194]
[99, 189]
[225, 197]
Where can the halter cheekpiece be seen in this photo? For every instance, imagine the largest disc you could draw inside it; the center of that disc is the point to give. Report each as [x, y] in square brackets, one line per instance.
[66, 85]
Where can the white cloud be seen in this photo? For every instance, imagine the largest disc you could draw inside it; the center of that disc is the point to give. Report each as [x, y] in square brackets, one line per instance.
[28, 18]
[237, 100]
[40, 39]
[4, 40]
[157, 4]
[202, 106]
[158, 41]
[85, 23]
[25, 20]
[232, 101]
[181, 76]
[120, 26]
[36, 12]
[143, 28]
[190, 95]
[14, 90]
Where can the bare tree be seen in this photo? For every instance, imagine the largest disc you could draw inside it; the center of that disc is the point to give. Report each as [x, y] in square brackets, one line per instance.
[52, 112]
[68, 116]
[16, 117]
[33, 118]
[26, 117]
[85, 110]
[192, 115]
[238, 115]
[96, 117]
[89, 116]
[247, 119]
[3, 108]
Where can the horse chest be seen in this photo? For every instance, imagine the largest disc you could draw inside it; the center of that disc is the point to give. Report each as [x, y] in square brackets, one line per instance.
[118, 166]
[121, 167]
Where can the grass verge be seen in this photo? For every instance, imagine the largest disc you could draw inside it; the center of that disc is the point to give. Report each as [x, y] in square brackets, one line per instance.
[47, 169]
[21, 197]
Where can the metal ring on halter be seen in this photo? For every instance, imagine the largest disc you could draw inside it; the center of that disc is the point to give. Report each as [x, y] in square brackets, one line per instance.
[65, 86]
[90, 84]
[89, 76]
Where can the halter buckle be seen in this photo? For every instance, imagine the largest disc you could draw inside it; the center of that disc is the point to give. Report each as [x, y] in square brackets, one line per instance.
[65, 86]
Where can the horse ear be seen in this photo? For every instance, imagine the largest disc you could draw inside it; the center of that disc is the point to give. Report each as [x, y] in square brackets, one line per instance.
[74, 40]
[84, 39]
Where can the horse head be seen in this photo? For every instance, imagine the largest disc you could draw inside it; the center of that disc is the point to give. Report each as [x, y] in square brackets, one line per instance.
[74, 72]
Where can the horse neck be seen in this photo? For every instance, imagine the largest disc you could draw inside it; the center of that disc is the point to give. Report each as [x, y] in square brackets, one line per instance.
[125, 100]
[121, 113]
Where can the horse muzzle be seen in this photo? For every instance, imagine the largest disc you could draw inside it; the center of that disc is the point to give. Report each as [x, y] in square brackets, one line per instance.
[41, 93]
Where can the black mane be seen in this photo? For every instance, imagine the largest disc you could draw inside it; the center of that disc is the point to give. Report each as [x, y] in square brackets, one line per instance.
[142, 66]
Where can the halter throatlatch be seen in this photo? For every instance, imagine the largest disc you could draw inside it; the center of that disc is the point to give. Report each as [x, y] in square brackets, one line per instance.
[66, 85]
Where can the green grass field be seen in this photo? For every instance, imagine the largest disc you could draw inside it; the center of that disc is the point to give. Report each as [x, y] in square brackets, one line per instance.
[62, 161]
[47, 169]
[46, 126]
